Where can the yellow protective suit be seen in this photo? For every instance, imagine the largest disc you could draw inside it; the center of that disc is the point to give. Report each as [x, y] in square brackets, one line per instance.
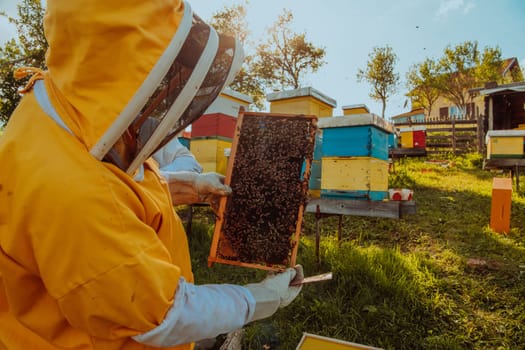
[89, 257]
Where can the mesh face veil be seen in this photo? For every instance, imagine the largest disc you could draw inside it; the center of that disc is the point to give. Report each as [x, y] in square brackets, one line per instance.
[189, 76]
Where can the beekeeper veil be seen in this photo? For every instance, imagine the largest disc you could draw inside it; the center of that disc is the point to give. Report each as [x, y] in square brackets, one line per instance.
[190, 74]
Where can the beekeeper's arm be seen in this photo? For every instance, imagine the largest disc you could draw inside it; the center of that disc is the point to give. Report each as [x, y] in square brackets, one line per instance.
[187, 183]
[115, 279]
[174, 157]
[205, 311]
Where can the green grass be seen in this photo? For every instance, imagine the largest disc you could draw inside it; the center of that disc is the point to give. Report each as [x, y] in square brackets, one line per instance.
[407, 283]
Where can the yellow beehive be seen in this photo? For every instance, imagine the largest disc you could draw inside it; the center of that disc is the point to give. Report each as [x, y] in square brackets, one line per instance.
[306, 101]
[355, 109]
[413, 137]
[229, 102]
[354, 178]
[316, 342]
[505, 147]
[407, 139]
[209, 152]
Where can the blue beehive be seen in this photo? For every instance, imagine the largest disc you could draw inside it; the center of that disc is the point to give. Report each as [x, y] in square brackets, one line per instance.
[185, 142]
[361, 135]
[355, 157]
[315, 169]
[392, 140]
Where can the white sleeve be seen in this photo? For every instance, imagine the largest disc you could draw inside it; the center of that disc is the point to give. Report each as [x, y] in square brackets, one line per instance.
[201, 312]
[174, 156]
[183, 163]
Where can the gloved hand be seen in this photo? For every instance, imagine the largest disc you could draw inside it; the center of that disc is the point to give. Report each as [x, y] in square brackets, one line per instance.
[275, 292]
[188, 187]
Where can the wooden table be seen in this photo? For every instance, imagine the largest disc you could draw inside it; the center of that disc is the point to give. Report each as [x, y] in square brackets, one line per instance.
[512, 164]
[396, 153]
[325, 207]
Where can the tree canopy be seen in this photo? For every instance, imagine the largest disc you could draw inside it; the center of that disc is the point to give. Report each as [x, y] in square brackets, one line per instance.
[421, 84]
[281, 60]
[28, 49]
[232, 21]
[380, 73]
[461, 67]
[285, 56]
[278, 61]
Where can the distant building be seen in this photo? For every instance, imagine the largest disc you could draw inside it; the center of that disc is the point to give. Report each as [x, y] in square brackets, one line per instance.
[503, 105]
[414, 116]
[444, 109]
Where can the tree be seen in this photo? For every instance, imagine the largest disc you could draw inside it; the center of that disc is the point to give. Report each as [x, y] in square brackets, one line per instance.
[421, 84]
[380, 74]
[232, 21]
[465, 67]
[516, 74]
[28, 50]
[283, 59]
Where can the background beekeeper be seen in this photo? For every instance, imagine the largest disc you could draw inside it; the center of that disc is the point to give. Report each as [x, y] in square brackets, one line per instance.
[92, 255]
[186, 182]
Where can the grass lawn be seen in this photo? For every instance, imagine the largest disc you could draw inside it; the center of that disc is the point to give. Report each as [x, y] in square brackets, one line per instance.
[440, 279]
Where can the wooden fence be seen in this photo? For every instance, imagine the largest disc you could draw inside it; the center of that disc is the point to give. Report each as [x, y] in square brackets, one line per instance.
[453, 136]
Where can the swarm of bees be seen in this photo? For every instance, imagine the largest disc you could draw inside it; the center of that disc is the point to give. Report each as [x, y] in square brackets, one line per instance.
[269, 181]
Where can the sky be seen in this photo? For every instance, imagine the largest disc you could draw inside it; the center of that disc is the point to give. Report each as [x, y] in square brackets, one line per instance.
[349, 30]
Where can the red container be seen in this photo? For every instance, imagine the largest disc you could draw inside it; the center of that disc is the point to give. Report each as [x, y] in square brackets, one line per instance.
[216, 124]
[419, 137]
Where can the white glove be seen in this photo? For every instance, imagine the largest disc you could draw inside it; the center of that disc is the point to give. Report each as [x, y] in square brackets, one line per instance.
[275, 292]
[187, 187]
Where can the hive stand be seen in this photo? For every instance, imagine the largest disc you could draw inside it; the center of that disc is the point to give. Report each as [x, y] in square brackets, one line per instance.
[509, 164]
[326, 207]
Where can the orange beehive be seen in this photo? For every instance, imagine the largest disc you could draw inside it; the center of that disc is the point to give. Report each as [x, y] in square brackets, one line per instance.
[501, 204]
[259, 224]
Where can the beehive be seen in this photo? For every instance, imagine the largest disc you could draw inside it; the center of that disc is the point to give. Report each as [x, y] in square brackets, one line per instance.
[413, 137]
[307, 100]
[213, 125]
[259, 223]
[315, 171]
[501, 204]
[363, 178]
[361, 135]
[212, 133]
[229, 102]
[315, 342]
[209, 152]
[355, 109]
[392, 140]
[185, 141]
[505, 144]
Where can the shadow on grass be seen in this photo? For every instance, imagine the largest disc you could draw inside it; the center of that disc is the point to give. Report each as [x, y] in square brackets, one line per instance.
[439, 279]
[401, 284]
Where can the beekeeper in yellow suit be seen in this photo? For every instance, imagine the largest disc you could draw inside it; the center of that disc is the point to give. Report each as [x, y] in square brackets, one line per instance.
[92, 255]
